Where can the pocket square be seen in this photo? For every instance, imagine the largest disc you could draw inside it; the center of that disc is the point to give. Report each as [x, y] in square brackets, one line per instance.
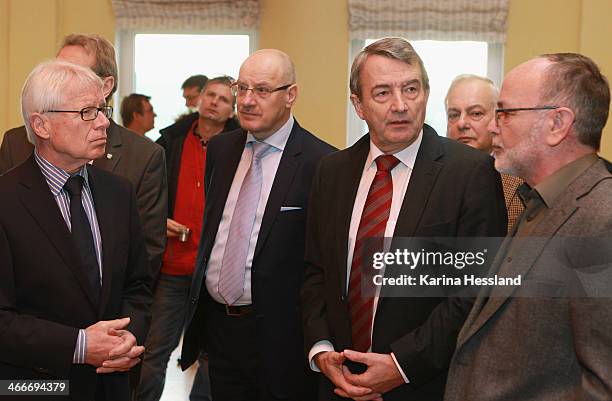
[288, 208]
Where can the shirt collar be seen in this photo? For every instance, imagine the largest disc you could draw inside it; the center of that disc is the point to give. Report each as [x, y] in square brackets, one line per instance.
[406, 156]
[278, 139]
[55, 176]
[556, 183]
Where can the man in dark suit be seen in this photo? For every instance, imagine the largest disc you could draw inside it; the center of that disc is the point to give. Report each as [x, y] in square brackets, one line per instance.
[76, 286]
[185, 144]
[127, 154]
[400, 180]
[243, 306]
[551, 337]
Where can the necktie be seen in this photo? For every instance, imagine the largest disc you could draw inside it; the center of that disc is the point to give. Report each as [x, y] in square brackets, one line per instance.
[371, 226]
[233, 266]
[81, 234]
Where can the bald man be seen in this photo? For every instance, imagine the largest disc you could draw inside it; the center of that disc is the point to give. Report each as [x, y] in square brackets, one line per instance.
[243, 308]
[470, 107]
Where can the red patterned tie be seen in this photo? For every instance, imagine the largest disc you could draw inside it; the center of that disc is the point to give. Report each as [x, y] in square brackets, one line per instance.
[372, 226]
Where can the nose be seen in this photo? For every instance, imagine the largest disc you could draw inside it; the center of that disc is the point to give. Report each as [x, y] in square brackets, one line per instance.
[247, 99]
[101, 121]
[398, 104]
[462, 123]
[493, 127]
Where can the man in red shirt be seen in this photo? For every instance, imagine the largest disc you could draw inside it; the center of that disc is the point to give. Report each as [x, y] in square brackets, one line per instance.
[185, 145]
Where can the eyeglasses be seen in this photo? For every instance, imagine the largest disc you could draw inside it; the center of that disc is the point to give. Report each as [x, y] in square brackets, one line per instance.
[88, 113]
[501, 114]
[241, 89]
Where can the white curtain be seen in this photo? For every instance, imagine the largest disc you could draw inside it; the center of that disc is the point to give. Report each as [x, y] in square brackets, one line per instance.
[187, 14]
[479, 20]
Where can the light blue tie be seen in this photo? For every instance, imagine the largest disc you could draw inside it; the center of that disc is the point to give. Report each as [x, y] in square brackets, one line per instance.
[233, 266]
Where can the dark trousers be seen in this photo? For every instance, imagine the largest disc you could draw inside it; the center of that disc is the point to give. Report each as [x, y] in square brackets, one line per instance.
[234, 357]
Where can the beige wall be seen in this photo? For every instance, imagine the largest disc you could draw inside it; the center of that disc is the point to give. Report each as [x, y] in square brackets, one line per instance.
[30, 32]
[542, 26]
[314, 33]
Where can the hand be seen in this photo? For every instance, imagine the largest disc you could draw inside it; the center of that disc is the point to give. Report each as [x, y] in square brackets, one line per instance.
[174, 228]
[381, 376]
[330, 364]
[123, 357]
[100, 341]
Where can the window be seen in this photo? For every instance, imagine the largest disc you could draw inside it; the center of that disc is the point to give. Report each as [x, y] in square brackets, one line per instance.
[443, 61]
[156, 65]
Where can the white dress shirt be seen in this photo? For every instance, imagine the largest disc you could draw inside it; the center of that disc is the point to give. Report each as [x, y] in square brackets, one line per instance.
[401, 177]
[269, 165]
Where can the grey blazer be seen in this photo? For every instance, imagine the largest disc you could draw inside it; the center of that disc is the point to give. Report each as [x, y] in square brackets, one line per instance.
[548, 339]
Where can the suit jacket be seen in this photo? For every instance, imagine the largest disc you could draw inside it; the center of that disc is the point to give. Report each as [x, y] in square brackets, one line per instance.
[128, 155]
[45, 296]
[172, 140]
[546, 340]
[453, 191]
[278, 263]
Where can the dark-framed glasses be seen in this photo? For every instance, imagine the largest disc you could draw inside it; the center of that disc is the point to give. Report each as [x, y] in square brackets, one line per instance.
[88, 113]
[501, 114]
[241, 89]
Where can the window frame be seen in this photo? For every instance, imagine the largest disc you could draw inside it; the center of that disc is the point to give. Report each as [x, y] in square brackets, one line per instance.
[125, 53]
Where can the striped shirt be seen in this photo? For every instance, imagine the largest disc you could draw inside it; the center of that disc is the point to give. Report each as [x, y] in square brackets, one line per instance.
[56, 178]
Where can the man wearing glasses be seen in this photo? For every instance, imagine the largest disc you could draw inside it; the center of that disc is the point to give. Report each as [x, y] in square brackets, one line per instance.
[76, 285]
[129, 155]
[243, 302]
[551, 337]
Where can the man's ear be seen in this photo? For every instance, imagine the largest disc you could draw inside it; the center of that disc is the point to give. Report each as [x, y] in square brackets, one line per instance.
[41, 125]
[357, 104]
[560, 126]
[292, 94]
[109, 84]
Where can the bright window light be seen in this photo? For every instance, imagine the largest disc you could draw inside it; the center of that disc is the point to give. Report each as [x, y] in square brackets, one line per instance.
[162, 62]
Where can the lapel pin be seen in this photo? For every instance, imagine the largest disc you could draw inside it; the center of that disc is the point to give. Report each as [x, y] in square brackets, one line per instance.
[109, 156]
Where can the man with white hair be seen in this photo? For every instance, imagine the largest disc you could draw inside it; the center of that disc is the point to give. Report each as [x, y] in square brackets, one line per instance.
[470, 107]
[76, 286]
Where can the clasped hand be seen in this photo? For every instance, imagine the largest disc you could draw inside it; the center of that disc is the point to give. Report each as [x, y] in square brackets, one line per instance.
[380, 376]
[111, 348]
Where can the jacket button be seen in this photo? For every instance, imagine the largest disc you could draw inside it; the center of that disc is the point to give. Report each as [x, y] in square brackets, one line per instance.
[193, 301]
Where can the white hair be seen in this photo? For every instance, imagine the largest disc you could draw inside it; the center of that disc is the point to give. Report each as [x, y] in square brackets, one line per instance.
[47, 85]
[471, 77]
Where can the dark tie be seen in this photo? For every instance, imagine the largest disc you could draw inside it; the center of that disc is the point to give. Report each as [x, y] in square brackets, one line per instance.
[82, 236]
[369, 240]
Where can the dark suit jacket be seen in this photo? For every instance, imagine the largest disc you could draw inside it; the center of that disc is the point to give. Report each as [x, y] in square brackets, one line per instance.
[453, 191]
[172, 140]
[133, 157]
[45, 296]
[278, 263]
[542, 340]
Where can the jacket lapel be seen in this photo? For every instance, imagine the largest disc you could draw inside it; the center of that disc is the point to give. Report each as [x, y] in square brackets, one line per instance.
[282, 181]
[348, 184]
[103, 204]
[524, 261]
[220, 181]
[422, 180]
[36, 196]
[111, 157]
